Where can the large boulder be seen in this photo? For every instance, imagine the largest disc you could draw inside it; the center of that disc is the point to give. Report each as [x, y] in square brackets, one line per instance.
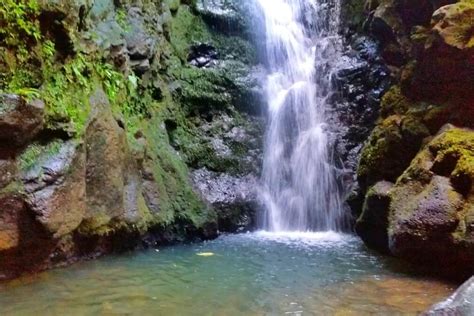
[24, 243]
[55, 181]
[431, 215]
[11, 211]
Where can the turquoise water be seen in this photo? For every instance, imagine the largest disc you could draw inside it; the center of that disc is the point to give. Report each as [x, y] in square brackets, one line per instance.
[249, 274]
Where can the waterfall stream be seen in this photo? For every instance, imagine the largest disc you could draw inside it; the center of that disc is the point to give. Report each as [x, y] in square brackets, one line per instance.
[300, 191]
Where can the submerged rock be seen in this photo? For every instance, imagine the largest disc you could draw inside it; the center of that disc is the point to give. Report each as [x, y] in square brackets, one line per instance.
[461, 303]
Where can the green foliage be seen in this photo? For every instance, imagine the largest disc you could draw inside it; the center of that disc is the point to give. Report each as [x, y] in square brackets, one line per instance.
[187, 28]
[177, 198]
[20, 35]
[121, 18]
[204, 89]
[28, 67]
[124, 95]
[30, 157]
[65, 94]
[67, 89]
[18, 21]
[28, 93]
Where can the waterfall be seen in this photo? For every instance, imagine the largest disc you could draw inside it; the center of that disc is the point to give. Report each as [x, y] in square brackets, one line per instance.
[300, 191]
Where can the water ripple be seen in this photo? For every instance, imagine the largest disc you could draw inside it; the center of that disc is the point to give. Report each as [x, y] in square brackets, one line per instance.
[249, 274]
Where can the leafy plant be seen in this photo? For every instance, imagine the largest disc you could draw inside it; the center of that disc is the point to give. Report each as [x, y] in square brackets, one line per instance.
[28, 67]
[121, 18]
[33, 153]
[18, 20]
[28, 93]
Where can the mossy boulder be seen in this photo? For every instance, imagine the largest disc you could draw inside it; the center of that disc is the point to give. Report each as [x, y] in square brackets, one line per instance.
[394, 103]
[431, 204]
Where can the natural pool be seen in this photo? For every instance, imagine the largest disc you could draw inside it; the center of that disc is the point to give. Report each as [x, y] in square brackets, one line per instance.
[248, 274]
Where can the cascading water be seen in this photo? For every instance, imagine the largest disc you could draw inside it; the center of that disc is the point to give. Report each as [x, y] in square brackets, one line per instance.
[300, 191]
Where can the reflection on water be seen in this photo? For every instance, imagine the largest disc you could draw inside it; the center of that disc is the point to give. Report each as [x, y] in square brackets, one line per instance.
[384, 295]
[249, 274]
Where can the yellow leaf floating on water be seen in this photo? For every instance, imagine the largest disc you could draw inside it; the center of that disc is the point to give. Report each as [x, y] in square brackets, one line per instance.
[205, 254]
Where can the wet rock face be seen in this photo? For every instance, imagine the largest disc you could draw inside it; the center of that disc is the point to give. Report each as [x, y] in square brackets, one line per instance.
[223, 15]
[20, 120]
[361, 79]
[460, 303]
[234, 198]
[227, 180]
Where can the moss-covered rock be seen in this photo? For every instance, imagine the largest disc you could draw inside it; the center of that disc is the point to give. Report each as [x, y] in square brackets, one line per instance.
[394, 103]
[390, 148]
[113, 186]
[431, 203]
[444, 65]
[428, 46]
[372, 225]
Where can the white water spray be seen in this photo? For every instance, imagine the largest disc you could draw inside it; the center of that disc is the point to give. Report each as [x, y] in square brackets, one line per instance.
[300, 190]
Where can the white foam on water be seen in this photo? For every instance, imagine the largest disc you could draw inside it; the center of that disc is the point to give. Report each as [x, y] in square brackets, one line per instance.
[302, 238]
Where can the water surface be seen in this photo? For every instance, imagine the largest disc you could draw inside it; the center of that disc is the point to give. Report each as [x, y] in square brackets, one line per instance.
[249, 274]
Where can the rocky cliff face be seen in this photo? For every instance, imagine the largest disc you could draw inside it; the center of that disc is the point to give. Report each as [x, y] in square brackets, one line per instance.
[123, 123]
[416, 168]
